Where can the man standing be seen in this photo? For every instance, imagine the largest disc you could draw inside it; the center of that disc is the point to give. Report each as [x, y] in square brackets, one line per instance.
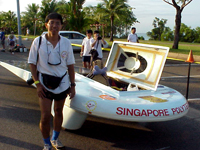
[3, 39]
[52, 59]
[97, 42]
[27, 31]
[133, 36]
[85, 49]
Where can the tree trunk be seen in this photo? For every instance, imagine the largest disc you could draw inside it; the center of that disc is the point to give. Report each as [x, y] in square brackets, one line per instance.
[35, 28]
[126, 33]
[111, 33]
[177, 28]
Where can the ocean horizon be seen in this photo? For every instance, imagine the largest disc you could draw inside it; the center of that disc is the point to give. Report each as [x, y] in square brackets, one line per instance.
[144, 35]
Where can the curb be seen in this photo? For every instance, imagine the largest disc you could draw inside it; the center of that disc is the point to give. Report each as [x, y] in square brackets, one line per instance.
[171, 55]
[182, 57]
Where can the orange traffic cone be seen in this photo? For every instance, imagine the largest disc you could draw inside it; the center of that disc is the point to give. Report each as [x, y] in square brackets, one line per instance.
[190, 57]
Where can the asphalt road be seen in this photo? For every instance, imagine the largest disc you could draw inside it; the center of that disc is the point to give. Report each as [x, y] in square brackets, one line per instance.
[175, 75]
[19, 117]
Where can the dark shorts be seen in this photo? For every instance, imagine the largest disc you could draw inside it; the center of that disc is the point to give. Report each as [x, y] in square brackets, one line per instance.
[12, 43]
[86, 58]
[2, 42]
[57, 97]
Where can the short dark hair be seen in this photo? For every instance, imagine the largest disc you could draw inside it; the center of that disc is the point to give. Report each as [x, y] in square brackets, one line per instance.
[89, 31]
[96, 32]
[53, 15]
[133, 28]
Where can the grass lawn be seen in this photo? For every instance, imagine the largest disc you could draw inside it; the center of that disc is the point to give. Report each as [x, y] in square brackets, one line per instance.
[184, 47]
[30, 36]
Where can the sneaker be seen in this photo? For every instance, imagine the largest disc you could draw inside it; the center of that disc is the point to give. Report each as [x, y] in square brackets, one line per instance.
[47, 147]
[3, 50]
[13, 53]
[57, 144]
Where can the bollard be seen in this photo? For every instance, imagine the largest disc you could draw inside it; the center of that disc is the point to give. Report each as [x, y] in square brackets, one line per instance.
[190, 60]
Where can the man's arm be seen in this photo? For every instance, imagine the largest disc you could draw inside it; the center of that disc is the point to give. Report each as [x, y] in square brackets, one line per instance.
[93, 43]
[40, 88]
[128, 39]
[104, 42]
[72, 80]
[33, 69]
[82, 49]
[94, 40]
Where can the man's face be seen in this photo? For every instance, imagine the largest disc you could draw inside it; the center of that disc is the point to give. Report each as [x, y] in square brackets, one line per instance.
[53, 26]
[89, 35]
[96, 35]
[133, 31]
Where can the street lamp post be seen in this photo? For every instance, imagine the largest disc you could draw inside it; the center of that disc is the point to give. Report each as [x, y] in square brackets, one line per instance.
[19, 23]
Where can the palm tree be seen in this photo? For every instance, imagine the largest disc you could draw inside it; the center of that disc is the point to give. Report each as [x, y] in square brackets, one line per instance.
[129, 19]
[113, 9]
[31, 14]
[64, 8]
[94, 13]
[10, 18]
[48, 6]
[2, 20]
[77, 16]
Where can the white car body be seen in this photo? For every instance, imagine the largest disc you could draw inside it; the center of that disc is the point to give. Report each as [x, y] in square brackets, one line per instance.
[139, 68]
[74, 36]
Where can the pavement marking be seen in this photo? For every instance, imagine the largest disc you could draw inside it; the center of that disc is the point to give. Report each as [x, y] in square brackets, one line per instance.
[194, 76]
[79, 59]
[194, 99]
[169, 65]
[163, 148]
[180, 60]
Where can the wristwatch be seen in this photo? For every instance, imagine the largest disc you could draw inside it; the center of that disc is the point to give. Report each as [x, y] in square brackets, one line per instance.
[73, 84]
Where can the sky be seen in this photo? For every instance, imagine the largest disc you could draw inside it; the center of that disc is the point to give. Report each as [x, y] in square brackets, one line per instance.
[144, 10]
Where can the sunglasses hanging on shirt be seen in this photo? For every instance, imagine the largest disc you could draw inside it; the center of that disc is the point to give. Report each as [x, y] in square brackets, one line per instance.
[52, 57]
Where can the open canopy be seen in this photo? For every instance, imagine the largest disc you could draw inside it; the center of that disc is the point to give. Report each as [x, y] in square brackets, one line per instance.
[140, 64]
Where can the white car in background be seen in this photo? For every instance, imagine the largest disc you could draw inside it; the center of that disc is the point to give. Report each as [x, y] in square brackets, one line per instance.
[74, 36]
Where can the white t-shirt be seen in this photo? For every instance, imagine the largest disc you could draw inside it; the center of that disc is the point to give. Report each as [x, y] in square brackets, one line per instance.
[63, 53]
[13, 39]
[87, 46]
[132, 38]
[99, 50]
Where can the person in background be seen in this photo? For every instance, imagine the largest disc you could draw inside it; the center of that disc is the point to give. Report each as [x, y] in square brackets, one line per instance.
[97, 42]
[52, 59]
[85, 49]
[27, 31]
[11, 41]
[133, 36]
[3, 40]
